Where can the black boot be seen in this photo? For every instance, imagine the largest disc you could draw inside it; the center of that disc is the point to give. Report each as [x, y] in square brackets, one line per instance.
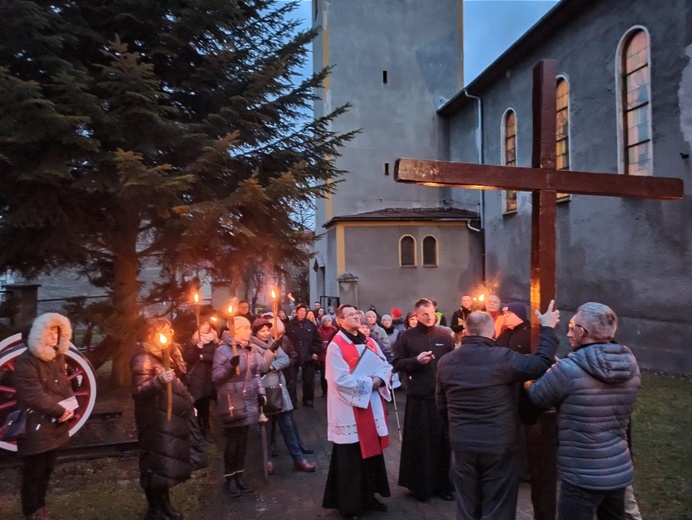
[155, 510]
[232, 487]
[168, 507]
[241, 483]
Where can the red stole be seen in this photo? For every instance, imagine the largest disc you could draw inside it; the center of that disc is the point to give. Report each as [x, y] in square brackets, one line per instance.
[371, 443]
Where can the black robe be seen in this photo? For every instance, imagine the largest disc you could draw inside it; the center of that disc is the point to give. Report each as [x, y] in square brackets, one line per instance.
[425, 450]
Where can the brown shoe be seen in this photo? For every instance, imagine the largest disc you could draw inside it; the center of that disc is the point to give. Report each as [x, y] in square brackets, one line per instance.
[304, 466]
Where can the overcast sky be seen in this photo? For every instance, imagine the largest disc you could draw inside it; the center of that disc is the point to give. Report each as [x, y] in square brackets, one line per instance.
[490, 27]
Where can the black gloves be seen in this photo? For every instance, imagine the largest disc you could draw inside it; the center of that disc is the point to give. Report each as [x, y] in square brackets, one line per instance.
[262, 400]
[234, 361]
[274, 346]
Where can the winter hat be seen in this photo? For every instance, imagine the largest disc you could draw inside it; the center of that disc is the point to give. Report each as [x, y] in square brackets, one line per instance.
[386, 317]
[240, 321]
[518, 309]
[396, 313]
[259, 323]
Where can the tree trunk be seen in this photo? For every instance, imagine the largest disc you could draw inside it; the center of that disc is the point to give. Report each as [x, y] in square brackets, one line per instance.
[125, 295]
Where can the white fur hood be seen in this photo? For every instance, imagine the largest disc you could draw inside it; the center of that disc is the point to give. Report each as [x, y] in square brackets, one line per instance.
[38, 337]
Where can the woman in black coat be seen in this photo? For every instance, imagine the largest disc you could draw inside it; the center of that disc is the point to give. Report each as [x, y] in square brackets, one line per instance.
[41, 382]
[199, 355]
[164, 444]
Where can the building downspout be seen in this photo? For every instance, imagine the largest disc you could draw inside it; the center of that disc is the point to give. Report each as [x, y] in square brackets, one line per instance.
[481, 203]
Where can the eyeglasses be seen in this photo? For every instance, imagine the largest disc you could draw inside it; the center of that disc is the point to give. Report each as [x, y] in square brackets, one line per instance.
[572, 325]
[352, 315]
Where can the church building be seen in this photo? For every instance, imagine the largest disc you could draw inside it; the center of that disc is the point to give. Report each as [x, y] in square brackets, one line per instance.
[383, 243]
[623, 107]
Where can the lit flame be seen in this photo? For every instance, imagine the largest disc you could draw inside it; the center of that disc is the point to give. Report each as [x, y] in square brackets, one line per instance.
[230, 309]
[162, 338]
[214, 319]
[196, 297]
[481, 298]
[273, 294]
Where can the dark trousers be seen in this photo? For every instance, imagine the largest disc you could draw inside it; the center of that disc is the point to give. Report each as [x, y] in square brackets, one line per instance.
[582, 504]
[234, 452]
[542, 443]
[487, 485]
[291, 375]
[37, 472]
[308, 381]
[323, 379]
[202, 407]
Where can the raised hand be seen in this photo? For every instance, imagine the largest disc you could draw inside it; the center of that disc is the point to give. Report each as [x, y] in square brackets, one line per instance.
[550, 318]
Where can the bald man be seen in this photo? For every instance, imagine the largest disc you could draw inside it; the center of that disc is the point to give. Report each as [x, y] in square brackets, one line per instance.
[477, 401]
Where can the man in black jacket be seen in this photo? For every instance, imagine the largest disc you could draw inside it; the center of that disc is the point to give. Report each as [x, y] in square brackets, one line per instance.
[307, 343]
[425, 454]
[517, 333]
[477, 398]
[459, 317]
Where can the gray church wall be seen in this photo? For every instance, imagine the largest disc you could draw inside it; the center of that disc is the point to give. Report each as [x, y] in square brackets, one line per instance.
[417, 48]
[373, 252]
[633, 255]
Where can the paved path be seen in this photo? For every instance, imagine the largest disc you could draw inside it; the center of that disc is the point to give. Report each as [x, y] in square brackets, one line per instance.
[294, 495]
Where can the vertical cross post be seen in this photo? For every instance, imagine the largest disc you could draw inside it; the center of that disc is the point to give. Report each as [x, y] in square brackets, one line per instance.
[543, 214]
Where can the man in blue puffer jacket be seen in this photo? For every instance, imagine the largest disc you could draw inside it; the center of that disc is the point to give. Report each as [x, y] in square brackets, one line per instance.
[594, 389]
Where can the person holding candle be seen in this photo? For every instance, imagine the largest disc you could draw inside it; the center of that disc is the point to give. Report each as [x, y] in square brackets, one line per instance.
[199, 355]
[42, 386]
[164, 440]
[236, 375]
[273, 361]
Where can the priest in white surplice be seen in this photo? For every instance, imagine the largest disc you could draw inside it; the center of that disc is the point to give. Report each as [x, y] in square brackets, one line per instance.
[359, 379]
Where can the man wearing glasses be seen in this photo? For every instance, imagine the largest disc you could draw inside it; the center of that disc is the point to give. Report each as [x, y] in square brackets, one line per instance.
[594, 389]
[358, 377]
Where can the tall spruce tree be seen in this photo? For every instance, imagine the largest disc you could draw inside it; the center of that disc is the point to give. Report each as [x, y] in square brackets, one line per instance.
[172, 130]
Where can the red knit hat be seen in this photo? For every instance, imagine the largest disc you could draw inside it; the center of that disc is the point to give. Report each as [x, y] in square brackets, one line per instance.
[396, 313]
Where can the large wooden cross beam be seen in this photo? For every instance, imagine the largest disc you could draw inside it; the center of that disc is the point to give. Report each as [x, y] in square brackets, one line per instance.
[542, 180]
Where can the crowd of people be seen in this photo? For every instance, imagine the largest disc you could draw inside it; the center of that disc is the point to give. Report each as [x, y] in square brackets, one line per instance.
[469, 387]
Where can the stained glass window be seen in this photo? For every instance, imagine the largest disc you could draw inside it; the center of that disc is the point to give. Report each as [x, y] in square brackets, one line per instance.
[510, 155]
[636, 104]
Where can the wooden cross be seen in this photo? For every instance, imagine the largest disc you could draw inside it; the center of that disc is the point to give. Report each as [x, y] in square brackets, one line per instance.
[542, 180]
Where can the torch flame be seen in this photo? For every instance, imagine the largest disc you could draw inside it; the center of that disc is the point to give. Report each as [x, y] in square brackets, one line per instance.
[481, 297]
[230, 309]
[214, 319]
[273, 294]
[196, 297]
[162, 338]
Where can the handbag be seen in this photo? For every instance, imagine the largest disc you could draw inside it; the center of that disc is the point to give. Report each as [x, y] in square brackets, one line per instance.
[235, 413]
[14, 428]
[275, 399]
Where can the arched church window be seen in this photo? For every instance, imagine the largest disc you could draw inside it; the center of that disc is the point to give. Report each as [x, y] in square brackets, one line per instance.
[562, 129]
[509, 154]
[429, 251]
[407, 251]
[636, 103]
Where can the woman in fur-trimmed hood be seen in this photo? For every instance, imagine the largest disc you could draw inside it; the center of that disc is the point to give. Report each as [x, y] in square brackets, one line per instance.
[42, 383]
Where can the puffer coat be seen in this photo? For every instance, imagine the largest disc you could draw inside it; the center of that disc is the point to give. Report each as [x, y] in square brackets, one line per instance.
[594, 390]
[165, 444]
[199, 362]
[243, 388]
[41, 382]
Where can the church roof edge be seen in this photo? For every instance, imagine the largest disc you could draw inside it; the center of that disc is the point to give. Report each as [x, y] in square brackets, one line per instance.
[407, 214]
[552, 21]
